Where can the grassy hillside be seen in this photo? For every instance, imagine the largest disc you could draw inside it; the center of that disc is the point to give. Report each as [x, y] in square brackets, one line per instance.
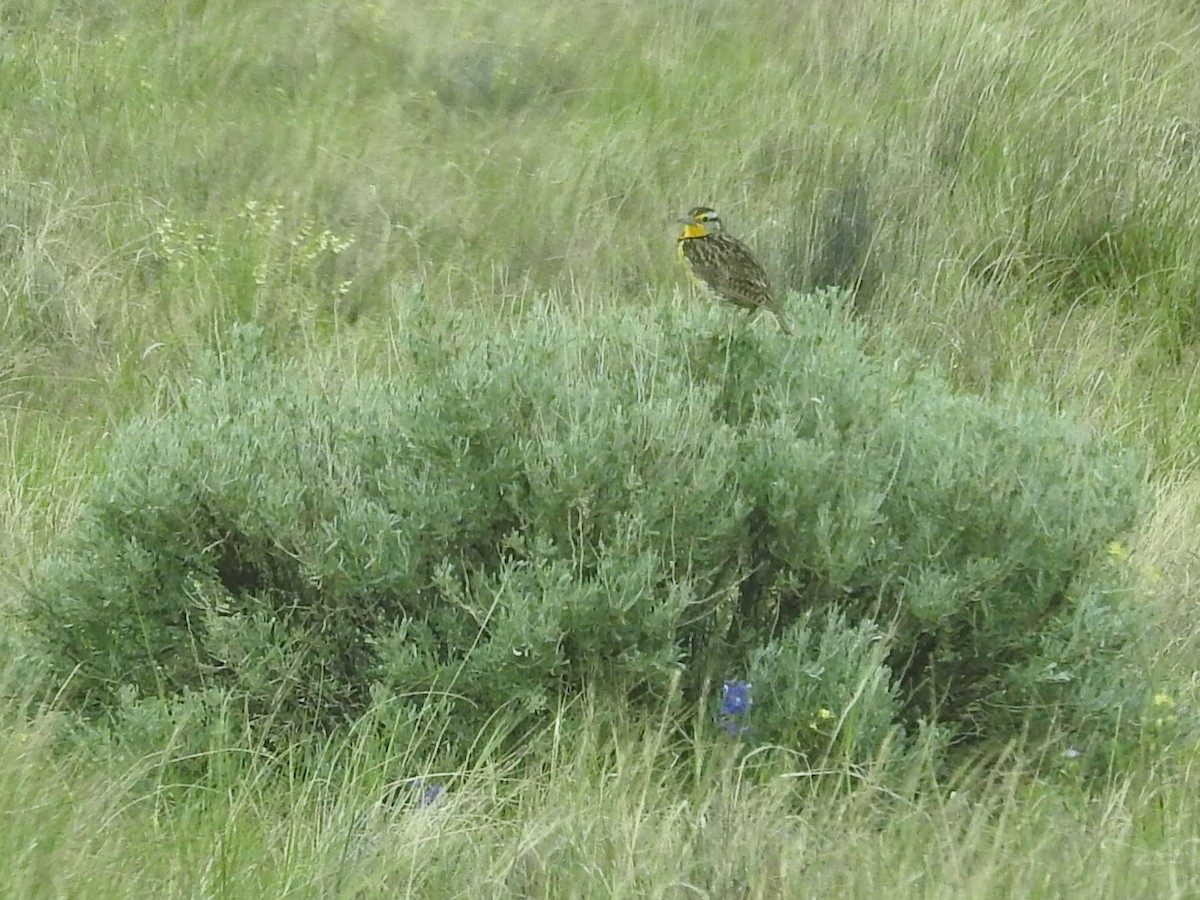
[1009, 188]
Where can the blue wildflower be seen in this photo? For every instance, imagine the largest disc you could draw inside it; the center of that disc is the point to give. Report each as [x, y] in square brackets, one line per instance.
[735, 707]
[422, 792]
[432, 794]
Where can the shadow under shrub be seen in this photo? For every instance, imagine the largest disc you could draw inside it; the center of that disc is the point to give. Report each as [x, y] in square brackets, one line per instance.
[604, 504]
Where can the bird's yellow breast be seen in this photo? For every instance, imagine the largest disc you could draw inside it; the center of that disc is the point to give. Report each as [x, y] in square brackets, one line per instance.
[687, 264]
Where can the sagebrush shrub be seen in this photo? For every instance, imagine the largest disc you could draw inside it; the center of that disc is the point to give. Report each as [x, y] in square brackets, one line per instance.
[603, 504]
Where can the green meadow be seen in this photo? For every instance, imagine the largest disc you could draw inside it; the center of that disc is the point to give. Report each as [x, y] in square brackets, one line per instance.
[268, 268]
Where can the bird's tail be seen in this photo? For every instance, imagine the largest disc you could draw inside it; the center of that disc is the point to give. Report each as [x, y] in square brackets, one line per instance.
[783, 321]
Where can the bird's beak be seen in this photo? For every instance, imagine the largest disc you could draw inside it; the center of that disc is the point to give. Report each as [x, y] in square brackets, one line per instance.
[686, 220]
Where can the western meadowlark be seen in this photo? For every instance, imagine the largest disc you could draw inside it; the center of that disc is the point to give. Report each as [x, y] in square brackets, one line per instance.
[725, 265]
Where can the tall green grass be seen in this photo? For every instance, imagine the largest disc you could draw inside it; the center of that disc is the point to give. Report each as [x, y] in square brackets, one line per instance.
[1009, 186]
[601, 812]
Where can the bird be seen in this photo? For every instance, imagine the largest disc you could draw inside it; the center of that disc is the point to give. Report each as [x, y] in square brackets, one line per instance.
[725, 266]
